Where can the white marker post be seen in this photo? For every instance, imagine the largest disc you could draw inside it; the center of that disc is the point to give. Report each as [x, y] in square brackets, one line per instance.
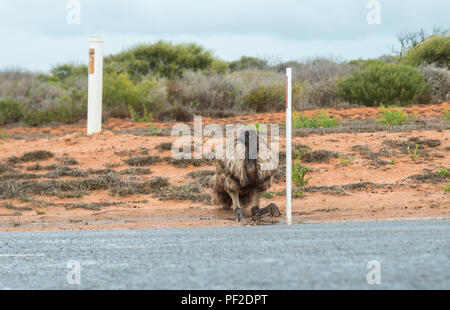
[94, 117]
[288, 146]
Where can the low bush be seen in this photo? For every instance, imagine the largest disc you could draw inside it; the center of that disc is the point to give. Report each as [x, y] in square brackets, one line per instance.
[205, 94]
[119, 92]
[380, 83]
[320, 76]
[300, 180]
[316, 69]
[266, 98]
[393, 116]
[272, 97]
[323, 93]
[42, 98]
[446, 188]
[413, 153]
[175, 113]
[319, 156]
[443, 172]
[63, 113]
[124, 98]
[320, 119]
[31, 156]
[218, 66]
[11, 111]
[67, 73]
[18, 84]
[447, 115]
[438, 81]
[434, 50]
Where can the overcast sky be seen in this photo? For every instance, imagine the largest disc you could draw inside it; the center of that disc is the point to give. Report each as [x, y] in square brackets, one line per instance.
[35, 35]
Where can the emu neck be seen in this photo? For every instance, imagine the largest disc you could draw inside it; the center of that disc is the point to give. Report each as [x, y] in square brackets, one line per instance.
[251, 166]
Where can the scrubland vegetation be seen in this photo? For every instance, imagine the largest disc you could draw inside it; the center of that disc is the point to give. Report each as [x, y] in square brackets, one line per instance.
[165, 81]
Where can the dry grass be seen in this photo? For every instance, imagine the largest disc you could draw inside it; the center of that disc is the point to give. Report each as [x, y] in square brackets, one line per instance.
[30, 156]
[429, 176]
[150, 160]
[319, 156]
[165, 146]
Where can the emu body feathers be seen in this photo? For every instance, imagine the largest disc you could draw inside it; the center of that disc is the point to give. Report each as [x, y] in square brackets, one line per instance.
[239, 181]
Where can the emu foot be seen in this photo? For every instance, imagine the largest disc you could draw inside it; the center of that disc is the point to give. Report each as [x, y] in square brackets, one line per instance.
[274, 211]
[239, 215]
[271, 209]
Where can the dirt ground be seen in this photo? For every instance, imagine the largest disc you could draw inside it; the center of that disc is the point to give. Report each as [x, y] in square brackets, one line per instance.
[120, 180]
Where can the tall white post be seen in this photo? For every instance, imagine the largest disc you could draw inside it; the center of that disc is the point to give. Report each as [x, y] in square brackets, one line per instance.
[94, 117]
[288, 146]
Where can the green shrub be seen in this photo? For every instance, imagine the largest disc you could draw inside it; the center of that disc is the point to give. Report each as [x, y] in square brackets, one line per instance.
[70, 112]
[245, 63]
[266, 98]
[162, 58]
[72, 106]
[443, 172]
[345, 161]
[123, 98]
[300, 180]
[447, 115]
[413, 153]
[364, 63]
[380, 83]
[270, 97]
[67, 72]
[37, 117]
[153, 96]
[434, 50]
[65, 112]
[393, 116]
[11, 111]
[119, 92]
[219, 66]
[320, 119]
[446, 188]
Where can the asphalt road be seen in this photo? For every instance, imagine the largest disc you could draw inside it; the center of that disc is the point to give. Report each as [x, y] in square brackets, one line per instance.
[411, 255]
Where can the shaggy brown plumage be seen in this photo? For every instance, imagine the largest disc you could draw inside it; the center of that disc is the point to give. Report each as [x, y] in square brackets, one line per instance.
[239, 182]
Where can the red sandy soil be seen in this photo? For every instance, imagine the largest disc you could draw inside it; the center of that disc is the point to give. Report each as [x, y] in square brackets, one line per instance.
[267, 118]
[403, 198]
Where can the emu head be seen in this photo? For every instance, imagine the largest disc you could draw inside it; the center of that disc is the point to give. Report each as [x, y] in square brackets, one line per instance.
[251, 141]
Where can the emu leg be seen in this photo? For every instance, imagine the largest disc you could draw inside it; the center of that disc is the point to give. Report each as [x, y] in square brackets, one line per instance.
[256, 199]
[237, 210]
[271, 209]
[255, 209]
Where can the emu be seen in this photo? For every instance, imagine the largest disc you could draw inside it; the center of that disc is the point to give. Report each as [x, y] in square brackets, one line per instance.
[239, 182]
